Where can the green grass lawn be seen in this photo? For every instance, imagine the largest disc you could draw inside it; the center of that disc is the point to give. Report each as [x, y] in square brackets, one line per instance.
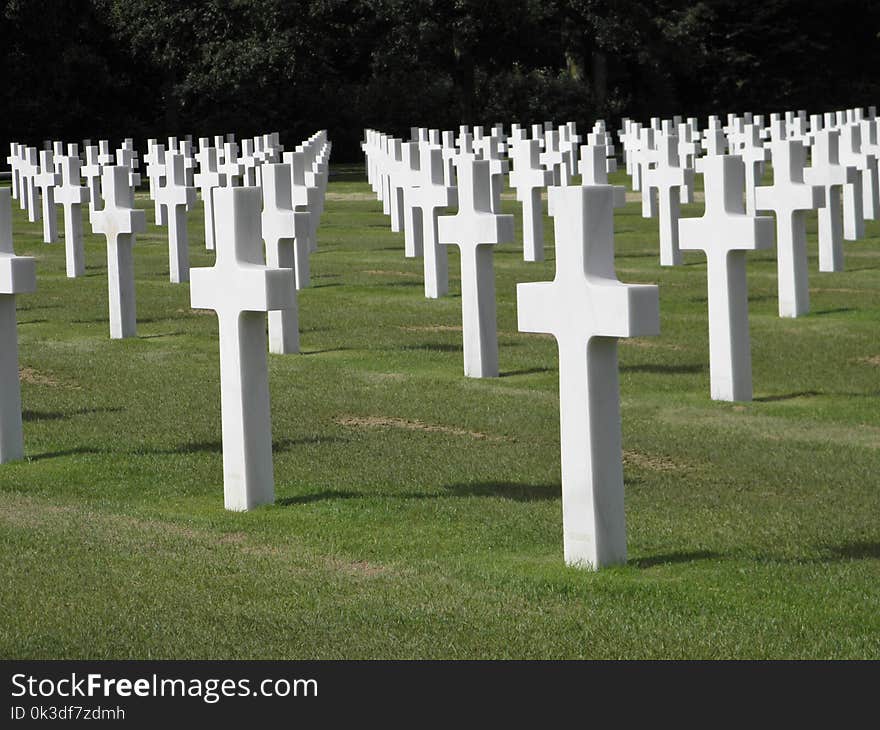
[418, 512]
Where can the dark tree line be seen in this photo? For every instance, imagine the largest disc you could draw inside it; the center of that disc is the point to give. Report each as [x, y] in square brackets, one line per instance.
[114, 68]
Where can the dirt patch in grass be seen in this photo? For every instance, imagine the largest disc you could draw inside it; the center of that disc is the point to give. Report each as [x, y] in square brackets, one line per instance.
[198, 312]
[357, 568]
[431, 328]
[649, 344]
[409, 425]
[384, 272]
[872, 360]
[35, 377]
[649, 461]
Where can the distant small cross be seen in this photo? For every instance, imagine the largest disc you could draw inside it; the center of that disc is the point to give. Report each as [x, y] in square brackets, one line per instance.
[828, 172]
[725, 233]
[119, 222]
[177, 197]
[71, 196]
[207, 179]
[668, 177]
[285, 232]
[475, 229]
[529, 178]
[789, 197]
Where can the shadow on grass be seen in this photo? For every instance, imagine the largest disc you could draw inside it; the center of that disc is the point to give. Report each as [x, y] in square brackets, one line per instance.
[216, 447]
[525, 371]
[62, 415]
[507, 490]
[76, 451]
[838, 310]
[329, 349]
[859, 550]
[504, 490]
[435, 347]
[32, 321]
[661, 369]
[787, 396]
[674, 558]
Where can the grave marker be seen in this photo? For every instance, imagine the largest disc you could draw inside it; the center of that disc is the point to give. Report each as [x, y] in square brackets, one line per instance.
[725, 233]
[475, 229]
[119, 222]
[241, 289]
[71, 196]
[17, 276]
[586, 309]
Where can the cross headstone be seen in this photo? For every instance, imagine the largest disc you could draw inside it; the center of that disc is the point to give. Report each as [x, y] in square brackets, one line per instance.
[71, 196]
[667, 178]
[725, 233]
[827, 172]
[46, 181]
[91, 172]
[648, 156]
[119, 222]
[413, 235]
[754, 155]
[587, 309]
[17, 276]
[431, 195]
[529, 178]
[231, 168]
[31, 172]
[859, 199]
[285, 232]
[177, 197]
[304, 201]
[13, 162]
[105, 154]
[475, 229]
[208, 179]
[155, 160]
[241, 289]
[789, 198]
[871, 173]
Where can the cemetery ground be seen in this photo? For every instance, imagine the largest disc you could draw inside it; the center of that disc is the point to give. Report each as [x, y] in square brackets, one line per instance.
[418, 512]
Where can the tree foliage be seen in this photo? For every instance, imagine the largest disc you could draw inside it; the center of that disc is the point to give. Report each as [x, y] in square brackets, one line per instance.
[98, 68]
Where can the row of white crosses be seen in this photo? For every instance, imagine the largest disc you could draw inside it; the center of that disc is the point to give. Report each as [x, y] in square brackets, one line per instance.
[240, 287]
[594, 527]
[416, 180]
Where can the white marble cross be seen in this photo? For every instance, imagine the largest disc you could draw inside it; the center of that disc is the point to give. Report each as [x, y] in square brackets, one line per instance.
[413, 235]
[305, 201]
[71, 196]
[827, 171]
[859, 198]
[13, 162]
[155, 161]
[432, 194]
[29, 196]
[249, 162]
[241, 289]
[754, 155]
[789, 198]
[47, 180]
[286, 233]
[176, 197]
[587, 309]
[105, 154]
[207, 179]
[395, 187]
[725, 233]
[667, 178]
[119, 222]
[91, 173]
[870, 173]
[688, 152]
[648, 155]
[475, 229]
[231, 169]
[529, 178]
[17, 276]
